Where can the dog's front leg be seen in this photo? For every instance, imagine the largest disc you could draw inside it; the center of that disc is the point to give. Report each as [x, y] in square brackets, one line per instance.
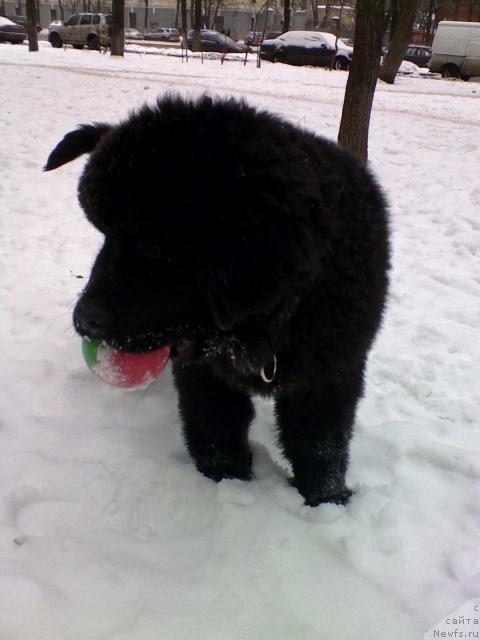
[315, 427]
[215, 423]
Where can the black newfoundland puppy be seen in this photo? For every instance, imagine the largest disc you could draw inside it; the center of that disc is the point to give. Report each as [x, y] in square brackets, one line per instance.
[259, 253]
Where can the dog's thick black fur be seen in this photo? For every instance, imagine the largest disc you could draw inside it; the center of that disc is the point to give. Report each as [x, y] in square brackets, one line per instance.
[259, 253]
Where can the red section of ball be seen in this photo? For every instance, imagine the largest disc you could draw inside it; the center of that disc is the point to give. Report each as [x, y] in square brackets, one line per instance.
[130, 370]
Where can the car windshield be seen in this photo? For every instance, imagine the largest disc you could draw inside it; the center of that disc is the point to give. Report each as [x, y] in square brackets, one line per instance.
[5, 21]
[213, 36]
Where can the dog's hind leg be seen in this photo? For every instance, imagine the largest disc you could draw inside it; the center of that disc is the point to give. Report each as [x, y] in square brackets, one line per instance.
[315, 428]
[215, 423]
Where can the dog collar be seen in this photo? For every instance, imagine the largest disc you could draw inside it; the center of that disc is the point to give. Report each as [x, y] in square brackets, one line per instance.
[264, 376]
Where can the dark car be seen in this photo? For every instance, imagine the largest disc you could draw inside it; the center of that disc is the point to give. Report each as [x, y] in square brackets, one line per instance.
[219, 42]
[163, 34]
[272, 34]
[418, 54]
[22, 21]
[254, 38]
[314, 48]
[11, 32]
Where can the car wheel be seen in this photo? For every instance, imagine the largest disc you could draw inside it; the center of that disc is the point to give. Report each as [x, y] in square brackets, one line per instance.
[93, 42]
[56, 41]
[341, 63]
[450, 71]
[78, 46]
[465, 77]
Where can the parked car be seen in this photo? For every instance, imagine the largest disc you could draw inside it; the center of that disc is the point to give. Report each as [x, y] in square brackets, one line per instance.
[215, 41]
[22, 21]
[11, 32]
[315, 48]
[456, 49]
[271, 35]
[254, 38]
[344, 54]
[90, 29]
[418, 54]
[133, 34]
[165, 34]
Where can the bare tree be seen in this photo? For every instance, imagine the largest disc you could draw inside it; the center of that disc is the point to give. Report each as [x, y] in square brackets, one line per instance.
[32, 25]
[183, 11]
[328, 4]
[118, 26]
[210, 12]
[314, 5]
[218, 4]
[357, 105]
[197, 25]
[338, 33]
[286, 15]
[399, 38]
[145, 22]
[426, 11]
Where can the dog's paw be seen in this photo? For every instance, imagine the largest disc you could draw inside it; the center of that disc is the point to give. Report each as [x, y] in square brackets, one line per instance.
[218, 466]
[341, 498]
[315, 496]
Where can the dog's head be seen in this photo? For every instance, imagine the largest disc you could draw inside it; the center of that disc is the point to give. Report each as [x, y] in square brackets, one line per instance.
[207, 226]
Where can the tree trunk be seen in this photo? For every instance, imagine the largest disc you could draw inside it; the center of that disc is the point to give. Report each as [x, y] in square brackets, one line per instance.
[118, 26]
[145, 23]
[400, 40]
[362, 79]
[196, 41]
[327, 13]
[286, 15]
[217, 9]
[177, 13]
[183, 8]
[32, 25]
[314, 13]
[429, 21]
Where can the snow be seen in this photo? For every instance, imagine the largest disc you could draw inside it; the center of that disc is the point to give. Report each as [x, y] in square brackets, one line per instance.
[5, 21]
[410, 68]
[106, 530]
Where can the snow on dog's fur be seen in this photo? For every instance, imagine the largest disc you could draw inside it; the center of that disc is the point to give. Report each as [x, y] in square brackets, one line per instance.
[259, 253]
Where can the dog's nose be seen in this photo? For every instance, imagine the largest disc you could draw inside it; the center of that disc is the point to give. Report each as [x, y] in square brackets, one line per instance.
[91, 319]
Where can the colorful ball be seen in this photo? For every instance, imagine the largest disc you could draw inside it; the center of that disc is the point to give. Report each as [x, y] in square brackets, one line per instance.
[122, 369]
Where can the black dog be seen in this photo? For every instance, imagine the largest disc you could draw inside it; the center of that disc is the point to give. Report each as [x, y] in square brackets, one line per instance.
[259, 253]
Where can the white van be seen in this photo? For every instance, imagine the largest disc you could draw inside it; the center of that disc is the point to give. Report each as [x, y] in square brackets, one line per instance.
[456, 49]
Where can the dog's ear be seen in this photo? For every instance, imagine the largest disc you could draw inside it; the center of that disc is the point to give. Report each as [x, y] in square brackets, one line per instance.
[74, 144]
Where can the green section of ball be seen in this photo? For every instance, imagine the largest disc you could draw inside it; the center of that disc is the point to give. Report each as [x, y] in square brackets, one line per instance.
[90, 352]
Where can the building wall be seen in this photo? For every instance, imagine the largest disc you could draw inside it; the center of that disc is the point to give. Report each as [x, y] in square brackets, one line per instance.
[462, 10]
[238, 21]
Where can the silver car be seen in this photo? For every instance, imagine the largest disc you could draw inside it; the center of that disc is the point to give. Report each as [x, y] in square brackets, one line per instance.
[82, 29]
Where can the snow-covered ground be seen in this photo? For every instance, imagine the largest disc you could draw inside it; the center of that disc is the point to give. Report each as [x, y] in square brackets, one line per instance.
[107, 532]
